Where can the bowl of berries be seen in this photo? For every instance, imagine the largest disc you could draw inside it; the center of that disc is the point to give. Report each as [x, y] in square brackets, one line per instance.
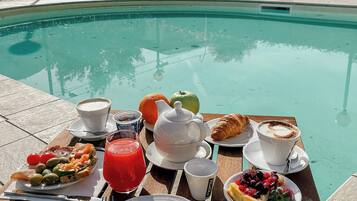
[259, 185]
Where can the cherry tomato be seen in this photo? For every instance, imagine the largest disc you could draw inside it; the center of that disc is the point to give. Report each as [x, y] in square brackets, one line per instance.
[33, 159]
[238, 182]
[46, 156]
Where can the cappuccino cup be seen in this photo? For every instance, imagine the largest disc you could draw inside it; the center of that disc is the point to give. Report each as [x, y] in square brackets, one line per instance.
[277, 139]
[94, 113]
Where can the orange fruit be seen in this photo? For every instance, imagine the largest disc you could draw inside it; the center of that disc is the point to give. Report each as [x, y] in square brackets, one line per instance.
[148, 107]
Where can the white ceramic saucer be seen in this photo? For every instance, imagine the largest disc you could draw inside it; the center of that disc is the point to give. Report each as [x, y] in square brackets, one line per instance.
[157, 159]
[148, 126]
[77, 129]
[254, 154]
[237, 141]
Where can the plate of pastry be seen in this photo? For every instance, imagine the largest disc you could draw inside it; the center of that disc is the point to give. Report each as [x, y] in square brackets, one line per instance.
[232, 130]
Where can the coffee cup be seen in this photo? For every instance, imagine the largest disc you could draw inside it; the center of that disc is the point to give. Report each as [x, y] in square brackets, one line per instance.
[128, 120]
[277, 139]
[94, 113]
[201, 175]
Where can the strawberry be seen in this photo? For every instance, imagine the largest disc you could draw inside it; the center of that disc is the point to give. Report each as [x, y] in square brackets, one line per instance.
[242, 188]
[238, 182]
[252, 191]
[266, 175]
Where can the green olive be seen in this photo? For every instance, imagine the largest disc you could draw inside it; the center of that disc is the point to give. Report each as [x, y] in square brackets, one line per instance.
[53, 162]
[46, 171]
[63, 160]
[36, 179]
[50, 179]
[56, 170]
[40, 168]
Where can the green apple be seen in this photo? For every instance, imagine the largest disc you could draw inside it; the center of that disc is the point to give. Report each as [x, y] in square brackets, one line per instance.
[188, 99]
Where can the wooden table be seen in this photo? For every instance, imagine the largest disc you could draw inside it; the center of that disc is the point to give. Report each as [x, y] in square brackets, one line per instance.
[230, 161]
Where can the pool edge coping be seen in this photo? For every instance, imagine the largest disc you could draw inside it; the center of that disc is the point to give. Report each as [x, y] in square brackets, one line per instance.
[339, 14]
[38, 3]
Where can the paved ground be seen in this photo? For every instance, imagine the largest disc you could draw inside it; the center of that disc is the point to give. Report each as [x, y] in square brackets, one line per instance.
[347, 191]
[29, 119]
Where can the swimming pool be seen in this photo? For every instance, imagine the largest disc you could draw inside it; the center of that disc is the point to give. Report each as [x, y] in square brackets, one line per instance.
[235, 62]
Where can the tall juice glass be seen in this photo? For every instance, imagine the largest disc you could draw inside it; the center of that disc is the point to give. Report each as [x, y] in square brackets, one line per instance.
[124, 165]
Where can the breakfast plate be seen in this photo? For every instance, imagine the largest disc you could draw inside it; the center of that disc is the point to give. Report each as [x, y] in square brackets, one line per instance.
[77, 129]
[298, 162]
[93, 178]
[296, 193]
[27, 186]
[159, 198]
[237, 141]
[153, 155]
[148, 126]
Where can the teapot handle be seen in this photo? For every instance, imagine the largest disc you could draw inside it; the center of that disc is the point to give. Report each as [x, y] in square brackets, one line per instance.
[201, 125]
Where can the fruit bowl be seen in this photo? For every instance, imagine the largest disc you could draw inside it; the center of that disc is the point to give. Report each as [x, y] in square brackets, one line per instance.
[296, 193]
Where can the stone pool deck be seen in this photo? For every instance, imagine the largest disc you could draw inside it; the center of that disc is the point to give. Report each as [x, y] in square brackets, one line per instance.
[29, 119]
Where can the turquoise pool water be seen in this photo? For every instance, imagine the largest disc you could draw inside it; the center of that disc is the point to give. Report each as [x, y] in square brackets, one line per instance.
[239, 63]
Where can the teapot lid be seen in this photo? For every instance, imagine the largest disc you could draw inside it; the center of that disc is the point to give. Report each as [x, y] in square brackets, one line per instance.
[179, 113]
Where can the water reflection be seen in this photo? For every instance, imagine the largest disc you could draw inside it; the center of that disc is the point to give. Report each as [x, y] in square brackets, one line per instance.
[26, 46]
[159, 73]
[91, 54]
[343, 117]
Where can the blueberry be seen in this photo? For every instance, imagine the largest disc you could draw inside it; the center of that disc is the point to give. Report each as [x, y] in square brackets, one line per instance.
[246, 176]
[265, 190]
[260, 175]
[257, 194]
[259, 185]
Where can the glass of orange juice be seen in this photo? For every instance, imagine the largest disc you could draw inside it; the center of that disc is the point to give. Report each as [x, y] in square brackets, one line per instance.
[124, 164]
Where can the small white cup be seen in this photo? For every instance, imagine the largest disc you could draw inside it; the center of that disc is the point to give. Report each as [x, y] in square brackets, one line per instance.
[276, 150]
[201, 175]
[94, 113]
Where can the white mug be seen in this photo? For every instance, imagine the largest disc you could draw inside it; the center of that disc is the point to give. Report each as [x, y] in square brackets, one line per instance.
[276, 150]
[94, 113]
[200, 174]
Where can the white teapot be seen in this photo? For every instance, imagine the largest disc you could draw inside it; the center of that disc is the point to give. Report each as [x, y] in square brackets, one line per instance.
[178, 133]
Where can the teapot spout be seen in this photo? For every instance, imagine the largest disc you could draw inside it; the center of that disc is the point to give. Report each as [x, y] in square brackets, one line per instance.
[162, 106]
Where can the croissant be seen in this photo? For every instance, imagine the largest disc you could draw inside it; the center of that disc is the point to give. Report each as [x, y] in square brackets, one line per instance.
[229, 126]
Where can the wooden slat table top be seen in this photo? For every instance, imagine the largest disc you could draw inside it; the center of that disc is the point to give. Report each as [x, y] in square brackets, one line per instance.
[230, 160]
